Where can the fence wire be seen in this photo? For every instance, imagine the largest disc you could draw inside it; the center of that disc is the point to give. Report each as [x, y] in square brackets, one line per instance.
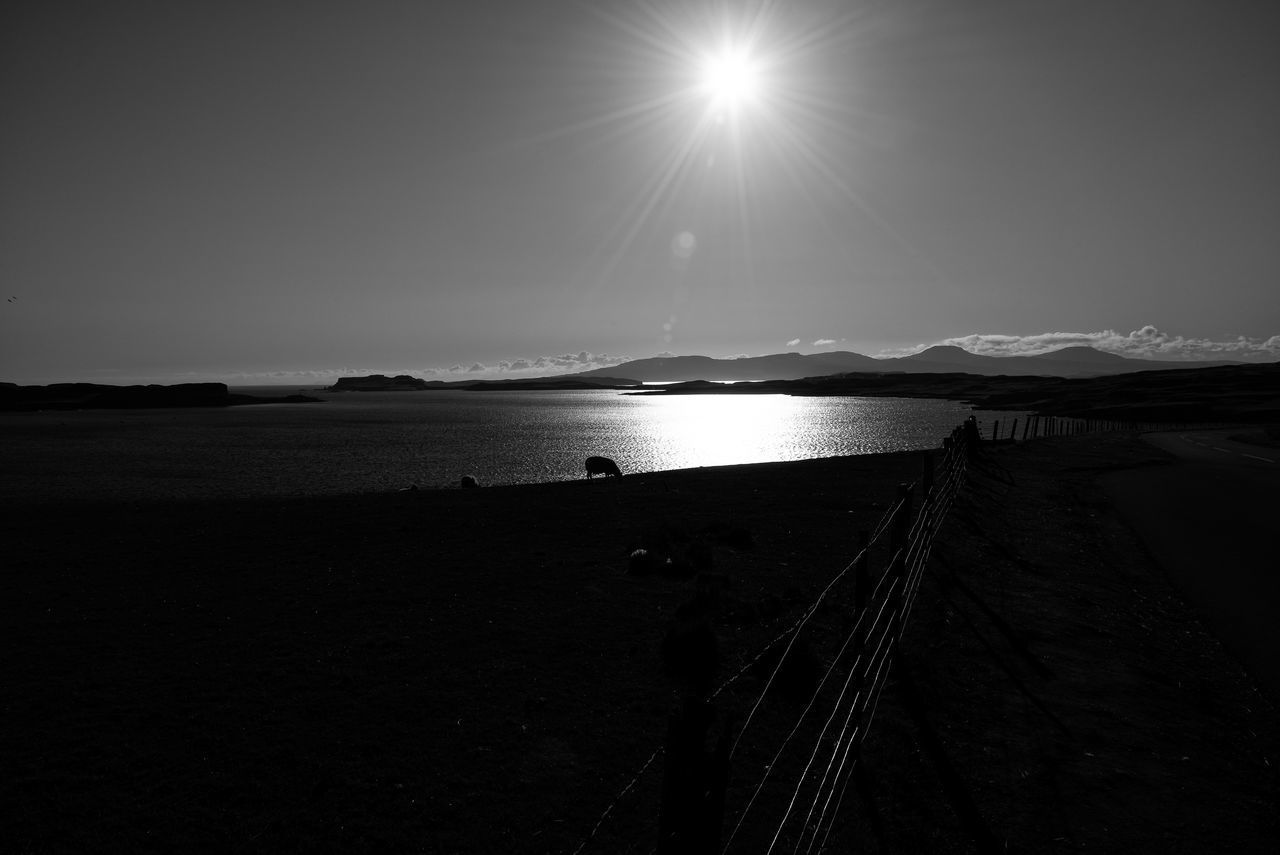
[870, 644]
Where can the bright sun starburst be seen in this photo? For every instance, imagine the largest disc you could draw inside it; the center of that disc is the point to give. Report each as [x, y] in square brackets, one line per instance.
[730, 79]
[728, 104]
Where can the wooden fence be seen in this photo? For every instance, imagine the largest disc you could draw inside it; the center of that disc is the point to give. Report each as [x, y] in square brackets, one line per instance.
[696, 812]
[847, 695]
[1034, 425]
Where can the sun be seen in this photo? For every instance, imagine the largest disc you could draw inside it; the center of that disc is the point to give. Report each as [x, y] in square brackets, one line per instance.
[731, 79]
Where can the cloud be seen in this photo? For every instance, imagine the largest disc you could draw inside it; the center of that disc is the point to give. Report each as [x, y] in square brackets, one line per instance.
[1146, 342]
[563, 363]
[825, 342]
[540, 366]
[794, 342]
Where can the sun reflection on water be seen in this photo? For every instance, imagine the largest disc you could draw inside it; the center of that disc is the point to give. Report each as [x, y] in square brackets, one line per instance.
[684, 431]
[696, 430]
[383, 441]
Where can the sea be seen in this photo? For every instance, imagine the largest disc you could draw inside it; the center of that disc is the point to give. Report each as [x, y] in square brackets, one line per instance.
[360, 442]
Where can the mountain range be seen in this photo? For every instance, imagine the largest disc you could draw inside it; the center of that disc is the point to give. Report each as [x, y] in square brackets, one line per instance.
[941, 359]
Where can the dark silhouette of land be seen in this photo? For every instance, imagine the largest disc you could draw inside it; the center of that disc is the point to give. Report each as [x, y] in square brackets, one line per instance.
[96, 396]
[1239, 392]
[480, 670]
[406, 383]
[1249, 393]
[941, 359]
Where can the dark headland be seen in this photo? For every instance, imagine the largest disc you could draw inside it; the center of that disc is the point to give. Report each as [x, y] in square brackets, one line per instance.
[97, 396]
[407, 383]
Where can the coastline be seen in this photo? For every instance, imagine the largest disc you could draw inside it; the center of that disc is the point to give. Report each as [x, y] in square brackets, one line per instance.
[1242, 392]
[476, 670]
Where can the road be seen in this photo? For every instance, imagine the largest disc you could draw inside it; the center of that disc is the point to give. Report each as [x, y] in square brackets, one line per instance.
[1212, 521]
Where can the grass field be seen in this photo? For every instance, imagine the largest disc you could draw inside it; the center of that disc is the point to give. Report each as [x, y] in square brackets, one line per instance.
[477, 671]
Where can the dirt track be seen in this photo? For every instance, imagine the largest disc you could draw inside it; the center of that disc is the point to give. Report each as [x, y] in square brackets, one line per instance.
[1082, 700]
[1209, 520]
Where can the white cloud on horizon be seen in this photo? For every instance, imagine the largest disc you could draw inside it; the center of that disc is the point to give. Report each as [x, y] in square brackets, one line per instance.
[565, 363]
[1147, 342]
[539, 366]
[580, 361]
[793, 343]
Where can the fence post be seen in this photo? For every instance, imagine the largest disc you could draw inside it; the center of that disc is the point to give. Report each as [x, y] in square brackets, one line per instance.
[901, 523]
[897, 584]
[972, 436]
[900, 529]
[861, 578]
[691, 817]
[861, 593]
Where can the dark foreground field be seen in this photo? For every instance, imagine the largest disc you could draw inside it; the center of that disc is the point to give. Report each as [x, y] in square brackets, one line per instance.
[476, 671]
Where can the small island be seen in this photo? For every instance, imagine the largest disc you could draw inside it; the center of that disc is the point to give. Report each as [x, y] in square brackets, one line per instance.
[407, 383]
[383, 383]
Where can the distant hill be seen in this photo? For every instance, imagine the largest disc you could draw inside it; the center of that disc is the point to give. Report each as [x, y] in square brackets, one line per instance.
[1082, 354]
[1064, 362]
[942, 359]
[778, 366]
[1244, 393]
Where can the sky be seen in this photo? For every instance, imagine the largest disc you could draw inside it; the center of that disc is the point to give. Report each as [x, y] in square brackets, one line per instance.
[286, 192]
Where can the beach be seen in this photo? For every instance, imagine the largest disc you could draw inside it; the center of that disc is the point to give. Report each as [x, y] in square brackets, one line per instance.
[478, 671]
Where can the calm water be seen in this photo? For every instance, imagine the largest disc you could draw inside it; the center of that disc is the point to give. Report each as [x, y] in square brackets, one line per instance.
[360, 442]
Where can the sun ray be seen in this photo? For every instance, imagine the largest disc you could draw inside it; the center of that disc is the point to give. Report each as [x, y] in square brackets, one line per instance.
[654, 192]
[745, 97]
[642, 112]
[833, 178]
